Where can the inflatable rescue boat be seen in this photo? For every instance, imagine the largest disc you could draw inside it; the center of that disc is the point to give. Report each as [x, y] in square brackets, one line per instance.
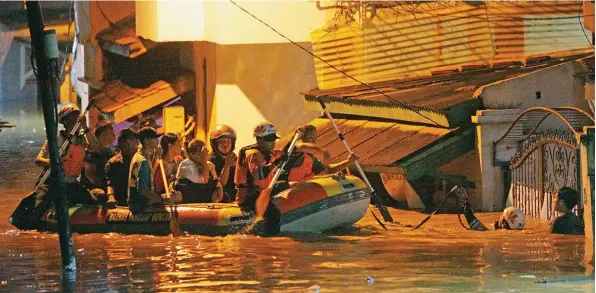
[317, 205]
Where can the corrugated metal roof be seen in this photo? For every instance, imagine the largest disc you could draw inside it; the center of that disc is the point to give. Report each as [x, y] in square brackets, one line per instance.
[448, 88]
[410, 40]
[377, 143]
[123, 101]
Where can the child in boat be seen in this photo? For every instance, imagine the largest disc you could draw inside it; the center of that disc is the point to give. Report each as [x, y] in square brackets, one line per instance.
[95, 163]
[118, 167]
[511, 219]
[303, 164]
[196, 178]
[568, 223]
[171, 157]
[223, 142]
[141, 193]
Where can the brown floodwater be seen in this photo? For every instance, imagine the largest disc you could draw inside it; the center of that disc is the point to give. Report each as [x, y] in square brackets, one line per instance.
[440, 257]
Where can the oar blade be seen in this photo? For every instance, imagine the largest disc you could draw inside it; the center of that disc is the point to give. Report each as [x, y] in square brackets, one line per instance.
[382, 208]
[422, 223]
[174, 226]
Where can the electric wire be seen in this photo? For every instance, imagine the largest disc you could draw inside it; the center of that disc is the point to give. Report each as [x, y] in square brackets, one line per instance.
[337, 69]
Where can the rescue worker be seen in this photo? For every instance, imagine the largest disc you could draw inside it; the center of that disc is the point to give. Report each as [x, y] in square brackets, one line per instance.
[118, 167]
[568, 223]
[254, 172]
[95, 163]
[72, 161]
[196, 178]
[172, 157]
[141, 193]
[303, 163]
[512, 218]
[223, 142]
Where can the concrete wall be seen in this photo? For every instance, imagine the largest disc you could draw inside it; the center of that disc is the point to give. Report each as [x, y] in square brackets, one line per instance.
[587, 178]
[14, 99]
[222, 22]
[557, 86]
[469, 167]
[90, 22]
[247, 84]
[490, 126]
[263, 82]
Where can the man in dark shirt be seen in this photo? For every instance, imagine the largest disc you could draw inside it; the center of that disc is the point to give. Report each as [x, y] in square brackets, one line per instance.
[568, 223]
[117, 168]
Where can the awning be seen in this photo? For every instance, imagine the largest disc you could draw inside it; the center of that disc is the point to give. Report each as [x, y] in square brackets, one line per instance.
[391, 147]
[119, 101]
[449, 97]
[121, 39]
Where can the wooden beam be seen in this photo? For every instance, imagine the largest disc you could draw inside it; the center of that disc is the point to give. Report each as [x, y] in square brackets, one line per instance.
[384, 169]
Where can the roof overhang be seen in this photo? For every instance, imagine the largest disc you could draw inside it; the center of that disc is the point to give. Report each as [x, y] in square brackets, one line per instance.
[392, 147]
[119, 102]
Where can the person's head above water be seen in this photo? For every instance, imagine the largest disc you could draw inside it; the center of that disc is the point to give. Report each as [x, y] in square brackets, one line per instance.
[511, 219]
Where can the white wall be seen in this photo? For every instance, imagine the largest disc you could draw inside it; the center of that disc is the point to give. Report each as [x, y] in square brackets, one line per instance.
[262, 82]
[557, 85]
[224, 23]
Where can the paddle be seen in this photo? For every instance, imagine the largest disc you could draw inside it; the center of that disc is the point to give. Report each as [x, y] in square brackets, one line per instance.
[265, 196]
[174, 226]
[384, 212]
[438, 207]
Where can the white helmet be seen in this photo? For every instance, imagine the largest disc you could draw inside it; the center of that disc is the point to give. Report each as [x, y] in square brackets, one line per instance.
[514, 217]
[265, 129]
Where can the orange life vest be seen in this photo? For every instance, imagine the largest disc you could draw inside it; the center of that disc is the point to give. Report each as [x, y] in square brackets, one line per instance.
[303, 172]
[243, 176]
[73, 160]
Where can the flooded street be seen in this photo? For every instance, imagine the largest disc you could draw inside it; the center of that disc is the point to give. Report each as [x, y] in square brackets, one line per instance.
[441, 256]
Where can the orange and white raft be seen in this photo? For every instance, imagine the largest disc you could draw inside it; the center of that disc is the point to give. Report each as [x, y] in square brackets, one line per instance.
[320, 204]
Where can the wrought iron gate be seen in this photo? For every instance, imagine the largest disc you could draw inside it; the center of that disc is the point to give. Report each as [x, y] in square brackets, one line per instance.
[548, 161]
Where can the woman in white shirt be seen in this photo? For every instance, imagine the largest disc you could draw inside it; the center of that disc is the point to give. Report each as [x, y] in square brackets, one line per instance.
[196, 177]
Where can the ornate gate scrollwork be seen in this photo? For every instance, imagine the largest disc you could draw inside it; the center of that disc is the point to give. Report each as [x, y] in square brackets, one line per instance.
[546, 161]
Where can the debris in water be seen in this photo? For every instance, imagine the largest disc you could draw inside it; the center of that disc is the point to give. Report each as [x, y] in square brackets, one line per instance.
[370, 280]
[527, 277]
[314, 289]
[566, 280]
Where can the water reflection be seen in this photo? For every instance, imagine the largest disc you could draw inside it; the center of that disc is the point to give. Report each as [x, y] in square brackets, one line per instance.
[437, 258]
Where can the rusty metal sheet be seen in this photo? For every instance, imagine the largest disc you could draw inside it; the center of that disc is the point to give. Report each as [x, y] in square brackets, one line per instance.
[400, 149]
[360, 135]
[345, 128]
[437, 93]
[115, 95]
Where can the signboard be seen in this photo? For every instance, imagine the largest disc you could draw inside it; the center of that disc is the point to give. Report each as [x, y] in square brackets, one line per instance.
[173, 119]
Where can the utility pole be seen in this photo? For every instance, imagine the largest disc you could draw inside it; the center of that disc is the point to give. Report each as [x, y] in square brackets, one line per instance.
[44, 88]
